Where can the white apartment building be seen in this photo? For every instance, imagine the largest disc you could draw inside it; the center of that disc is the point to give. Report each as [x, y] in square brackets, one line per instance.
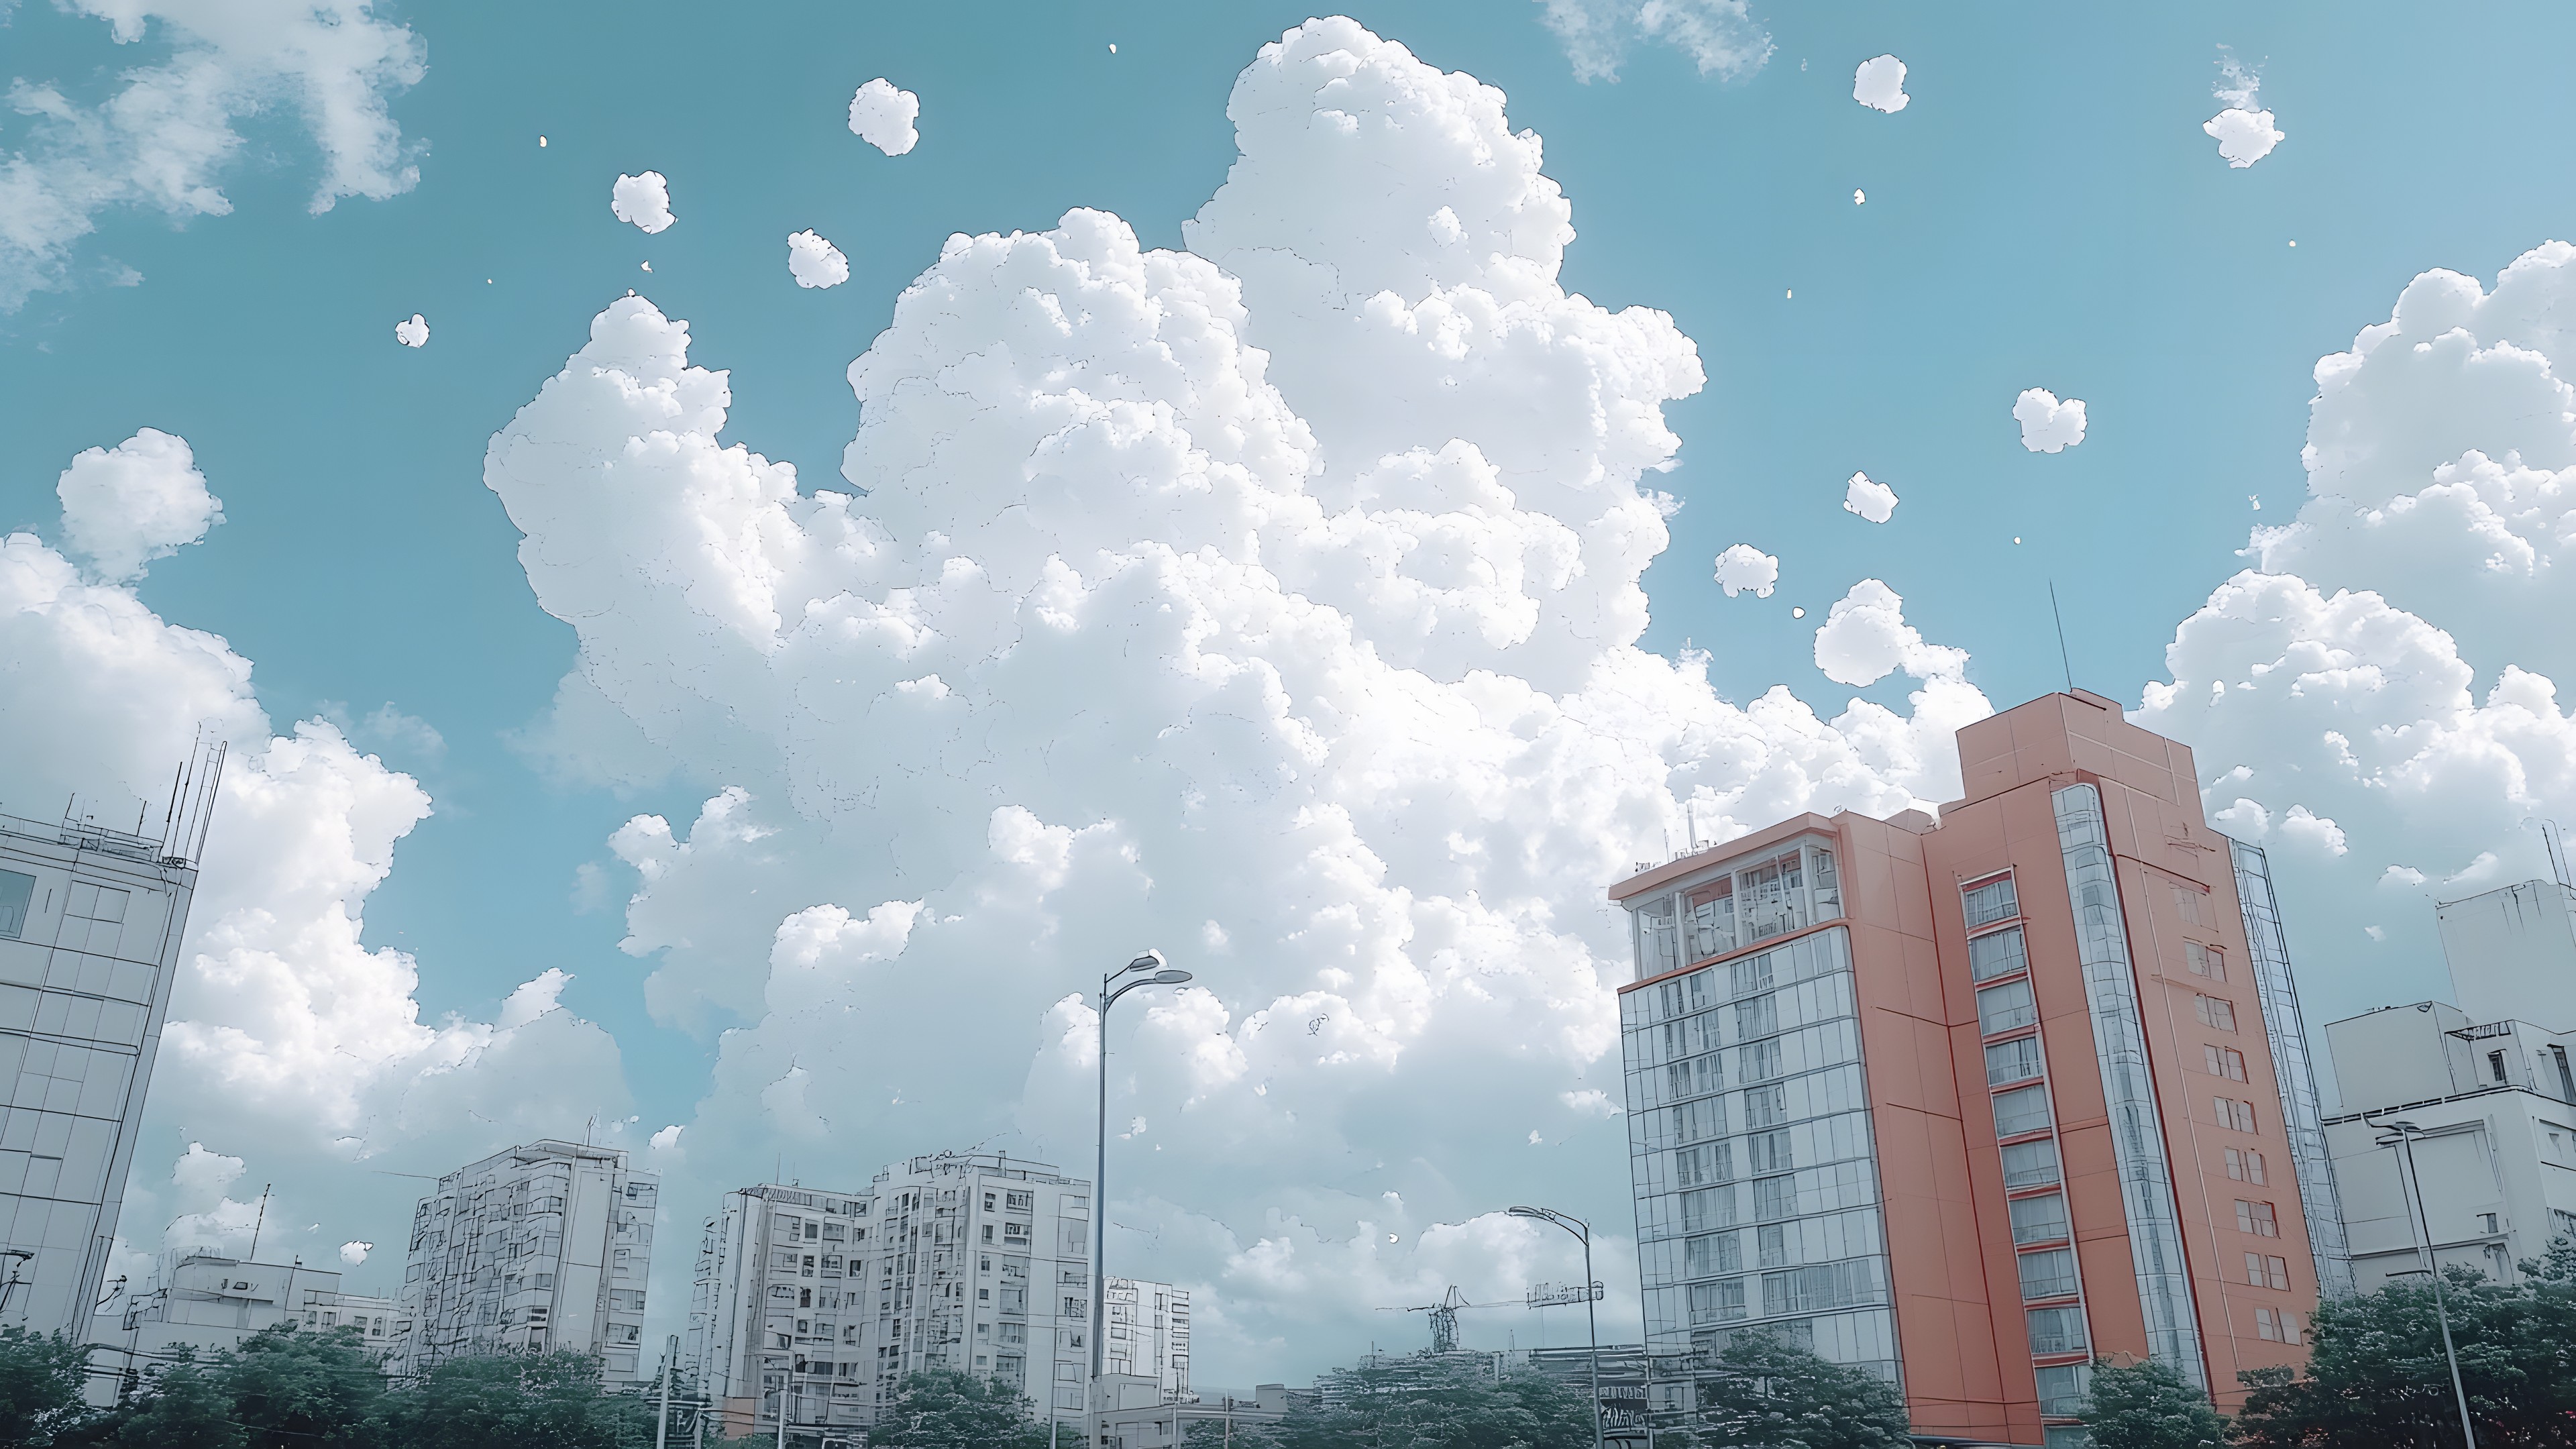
[2491, 1094]
[204, 1303]
[1147, 1334]
[818, 1302]
[543, 1247]
[90, 921]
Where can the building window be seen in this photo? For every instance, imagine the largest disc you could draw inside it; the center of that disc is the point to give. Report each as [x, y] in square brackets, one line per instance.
[1758, 1062]
[2495, 1065]
[2017, 1060]
[1710, 1254]
[2206, 961]
[2039, 1219]
[1771, 1245]
[2267, 1271]
[2062, 1388]
[2257, 1218]
[1990, 901]
[1775, 898]
[2223, 1062]
[1708, 918]
[1711, 1162]
[1659, 941]
[2056, 1330]
[2006, 1008]
[1766, 1106]
[1719, 1302]
[2023, 1109]
[2234, 1115]
[2566, 1077]
[2216, 1013]
[1749, 975]
[1710, 1207]
[2049, 1273]
[2030, 1164]
[2276, 1325]
[1768, 1151]
[1774, 1198]
[2245, 1165]
[1997, 953]
[17, 891]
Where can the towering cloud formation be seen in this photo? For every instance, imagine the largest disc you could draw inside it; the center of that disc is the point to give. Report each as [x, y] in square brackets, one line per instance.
[1274, 602]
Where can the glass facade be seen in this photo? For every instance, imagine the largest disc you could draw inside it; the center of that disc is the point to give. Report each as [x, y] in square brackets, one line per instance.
[1749, 1131]
[1741, 903]
[2288, 1034]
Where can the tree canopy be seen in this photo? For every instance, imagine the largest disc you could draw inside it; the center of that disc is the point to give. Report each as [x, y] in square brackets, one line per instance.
[2149, 1405]
[944, 1409]
[1434, 1404]
[1763, 1391]
[40, 1386]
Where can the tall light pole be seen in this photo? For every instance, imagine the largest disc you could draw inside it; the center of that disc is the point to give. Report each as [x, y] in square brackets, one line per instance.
[2402, 1136]
[1591, 1291]
[1163, 975]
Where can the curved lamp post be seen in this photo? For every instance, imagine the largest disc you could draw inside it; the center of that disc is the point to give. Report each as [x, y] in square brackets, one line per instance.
[2402, 1135]
[1110, 990]
[1583, 1233]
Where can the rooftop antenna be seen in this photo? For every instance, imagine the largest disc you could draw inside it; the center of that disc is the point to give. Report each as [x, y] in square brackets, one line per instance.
[2557, 841]
[259, 1222]
[2062, 657]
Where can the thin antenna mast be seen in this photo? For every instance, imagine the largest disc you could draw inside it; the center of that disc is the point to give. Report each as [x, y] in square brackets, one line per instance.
[2557, 841]
[2062, 657]
[260, 1222]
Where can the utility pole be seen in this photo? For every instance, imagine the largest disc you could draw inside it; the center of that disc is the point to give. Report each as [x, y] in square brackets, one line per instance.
[2406, 1133]
[662, 1423]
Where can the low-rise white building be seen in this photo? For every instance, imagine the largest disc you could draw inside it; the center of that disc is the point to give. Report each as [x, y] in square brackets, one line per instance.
[540, 1248]
[203, 1303]
[1147, 1334]
[2489, 1094]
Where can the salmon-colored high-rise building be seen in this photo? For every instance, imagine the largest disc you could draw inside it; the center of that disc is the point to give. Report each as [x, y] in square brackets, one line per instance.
[1972, 1102]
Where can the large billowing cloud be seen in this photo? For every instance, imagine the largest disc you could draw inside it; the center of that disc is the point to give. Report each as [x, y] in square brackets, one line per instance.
[2377, 698]
[292, 1046]
[160, 137]
[1274, 602]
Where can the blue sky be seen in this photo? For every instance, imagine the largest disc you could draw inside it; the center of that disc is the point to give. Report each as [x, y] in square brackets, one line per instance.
[2045, 213]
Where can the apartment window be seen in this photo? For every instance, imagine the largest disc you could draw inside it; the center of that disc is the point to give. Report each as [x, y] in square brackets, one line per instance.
[1710, 1162]
[1749, 975]
[1758, 1062]
[2206, 961]
[2062, 1388]
[17, 891]
[2224, 1062]
[2030, 1164]
[1708, 918]
[1766, 1106]
[2013, 1061]
[1712, 1253]
[1774, 898]
[2257, 1218]
[1990, 901]
[1719, 1302]
[2267, 1271]
[1710, 1207]
[1767, 1151]
[2276, 1325]
[1020, 1202]
[2495, 1065]
[1659, 940]
[1997, 953]
[2056, 1330]
[1698, 1121]
[2234, 1115]
[1774, 1197]
[2039, 1219]
[2192, 902]
[988, 1232]
[2048, 1273]
[2216, 1013]
[1828, 887]
[2486, 1222]
[2023, 1109]
[1758, 1017]
[2245, 1165]
[2006, 1008]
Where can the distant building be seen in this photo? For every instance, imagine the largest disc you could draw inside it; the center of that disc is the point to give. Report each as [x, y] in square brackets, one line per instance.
[90, 923]
[1148, 1334]
[206, 1303]
[542, 1247]
[1139, 1415]
[2493, 1094]
[817, 1303]
[1969, 1102]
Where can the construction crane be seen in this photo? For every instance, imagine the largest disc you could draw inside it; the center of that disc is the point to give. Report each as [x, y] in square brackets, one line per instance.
[1444, 1317]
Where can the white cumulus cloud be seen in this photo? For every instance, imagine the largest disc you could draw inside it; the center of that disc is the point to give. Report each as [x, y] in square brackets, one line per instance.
[413, 331]
[882, 116]
[354, 1253]
[159, 135]
[1289, 582]
[1880, 84]
[643, 202]
[1869, 498]
[1744, 567]
[1865, 638]
[2245, 132]
[814, 262]
[1720, 36]
[143, 499]
[2047, 425]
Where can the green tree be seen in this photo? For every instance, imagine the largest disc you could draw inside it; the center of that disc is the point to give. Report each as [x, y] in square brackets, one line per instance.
[525, 1401]
[40, 1386]
[944, 1409]
[296, 1388]
[1768, 1392]
[2377, 1376]
[182, 1405]
[1414, 1403]
[2148, 1405]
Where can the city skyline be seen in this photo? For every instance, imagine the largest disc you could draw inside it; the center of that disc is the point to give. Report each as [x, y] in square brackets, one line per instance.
[741, 560]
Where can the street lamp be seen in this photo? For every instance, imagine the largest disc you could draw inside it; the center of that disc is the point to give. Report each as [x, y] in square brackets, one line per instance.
[1583, 1232]
[2402, 1136]
[1163, 975]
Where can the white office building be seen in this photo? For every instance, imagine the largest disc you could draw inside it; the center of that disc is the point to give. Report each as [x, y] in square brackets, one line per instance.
[540, 1248]
[2488, 1087]
[90, 921]
[1147, 1334]
[202, 1303]
[817, 1302]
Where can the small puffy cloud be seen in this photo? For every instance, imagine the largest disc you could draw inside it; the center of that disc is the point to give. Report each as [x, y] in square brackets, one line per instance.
[1859, 197]
[643, 202]
[355, 1253]
[882, 116]
[2245, 132]
[1744, 567]
[1880, 84]
[1720, 36]
[2308, 828]
[1865, 638]
[1870, 499]
[413, 332]
[144, 499]
[2404, 877]
[2047, 425]
[814, 262]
